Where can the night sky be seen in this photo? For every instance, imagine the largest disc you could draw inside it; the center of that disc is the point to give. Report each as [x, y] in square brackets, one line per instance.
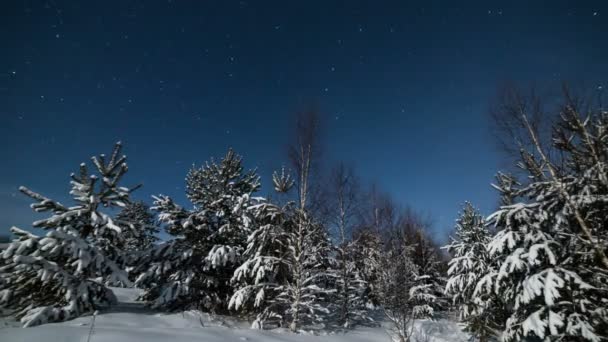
[403, 87]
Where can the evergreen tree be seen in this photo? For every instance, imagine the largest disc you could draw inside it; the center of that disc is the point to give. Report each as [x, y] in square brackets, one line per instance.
[367, 250]
[431, 280]
[57, 276]
[551, 241]
[306, 296]
[470, 261]
[286, 277]
[351, 287]
[267, 266]
[194, 269]
[140, 229]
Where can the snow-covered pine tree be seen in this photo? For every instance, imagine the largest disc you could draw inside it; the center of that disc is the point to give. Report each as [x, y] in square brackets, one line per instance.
[551, 241]
[430, 278]
[194, 269]
[56, 277]
[140, 227]
[471, 261]
[307, 295]
[351, 288]
[267, 266]
[367, 250]
[285, 277]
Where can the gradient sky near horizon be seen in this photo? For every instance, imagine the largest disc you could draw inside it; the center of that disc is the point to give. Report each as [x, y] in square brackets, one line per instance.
[403, 88]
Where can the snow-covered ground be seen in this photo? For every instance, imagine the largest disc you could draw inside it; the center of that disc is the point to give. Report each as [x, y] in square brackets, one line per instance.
[130, 321]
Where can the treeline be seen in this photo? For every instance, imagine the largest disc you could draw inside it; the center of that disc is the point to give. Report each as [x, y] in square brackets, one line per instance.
[320, 252]
[324, 252]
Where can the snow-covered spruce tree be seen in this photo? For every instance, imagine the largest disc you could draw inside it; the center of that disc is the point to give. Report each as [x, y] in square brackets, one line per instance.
[431, 280]
[351, 287]
[194, 269]
[285, 277]
[140, 226]
[307, 295]
[551, 240]
[367, 249]
[55, 277]
[266, 268]
[290, 281]
[471, 261]
[139, 229]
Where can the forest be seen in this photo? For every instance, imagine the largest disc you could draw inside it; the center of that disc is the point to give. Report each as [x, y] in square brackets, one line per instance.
[323, 251]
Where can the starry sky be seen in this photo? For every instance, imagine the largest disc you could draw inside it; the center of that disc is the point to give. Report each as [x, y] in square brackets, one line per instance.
[403, 88]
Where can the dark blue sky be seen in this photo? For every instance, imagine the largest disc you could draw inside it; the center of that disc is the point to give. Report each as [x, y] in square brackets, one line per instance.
[404, 87]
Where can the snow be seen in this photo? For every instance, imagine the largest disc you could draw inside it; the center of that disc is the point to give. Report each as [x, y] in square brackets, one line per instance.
[130, 321]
